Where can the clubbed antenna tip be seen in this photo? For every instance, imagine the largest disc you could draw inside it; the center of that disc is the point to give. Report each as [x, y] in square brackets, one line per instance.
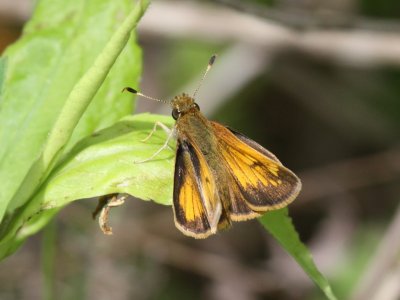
[129, 89]
[212, 60]
[133, 91]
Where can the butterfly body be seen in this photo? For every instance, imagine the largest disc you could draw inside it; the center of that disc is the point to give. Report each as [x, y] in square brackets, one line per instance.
[221, 175]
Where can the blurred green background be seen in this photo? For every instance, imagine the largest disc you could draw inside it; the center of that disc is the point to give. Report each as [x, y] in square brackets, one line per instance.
[315, 82]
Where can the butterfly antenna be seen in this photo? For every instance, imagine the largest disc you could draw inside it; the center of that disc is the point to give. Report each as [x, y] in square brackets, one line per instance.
[133, 91]
[210, 63]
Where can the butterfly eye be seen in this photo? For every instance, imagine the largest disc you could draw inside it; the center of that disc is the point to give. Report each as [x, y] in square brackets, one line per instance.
[196, 106]
[175, 114]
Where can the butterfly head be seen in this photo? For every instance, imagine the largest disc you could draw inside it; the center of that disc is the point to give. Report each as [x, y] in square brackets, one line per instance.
[183, 104]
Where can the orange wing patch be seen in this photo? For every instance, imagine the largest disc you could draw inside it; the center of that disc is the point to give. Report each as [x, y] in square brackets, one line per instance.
[197, 207]
[262, 182]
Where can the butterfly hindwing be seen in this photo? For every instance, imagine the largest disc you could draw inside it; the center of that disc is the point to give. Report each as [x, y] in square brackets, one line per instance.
[262, 182]
[196, 204]
[239, 210]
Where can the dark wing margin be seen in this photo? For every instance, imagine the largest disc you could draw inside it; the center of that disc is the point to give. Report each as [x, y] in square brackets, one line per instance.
[197, 208]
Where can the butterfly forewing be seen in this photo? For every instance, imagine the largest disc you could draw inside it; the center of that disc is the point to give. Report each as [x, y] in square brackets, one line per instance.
[253, 144]
[196, 204]
[259, 178]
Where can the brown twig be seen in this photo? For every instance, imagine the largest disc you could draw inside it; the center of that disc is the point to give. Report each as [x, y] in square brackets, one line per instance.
[103, 210]
[357, 47]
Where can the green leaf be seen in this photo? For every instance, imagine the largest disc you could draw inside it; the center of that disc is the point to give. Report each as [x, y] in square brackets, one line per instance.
[25, 216]
[58, 46]
[109, 162]
[102, 164]
[279, 224]
[2, 73]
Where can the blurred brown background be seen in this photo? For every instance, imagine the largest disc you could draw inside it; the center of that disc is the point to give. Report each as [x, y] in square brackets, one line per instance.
[317, 82]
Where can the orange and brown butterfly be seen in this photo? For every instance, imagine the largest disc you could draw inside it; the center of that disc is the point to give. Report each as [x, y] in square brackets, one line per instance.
[221, 175]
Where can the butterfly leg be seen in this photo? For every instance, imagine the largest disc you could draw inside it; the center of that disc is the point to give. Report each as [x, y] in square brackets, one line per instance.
[163, 126]
[170, 135]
